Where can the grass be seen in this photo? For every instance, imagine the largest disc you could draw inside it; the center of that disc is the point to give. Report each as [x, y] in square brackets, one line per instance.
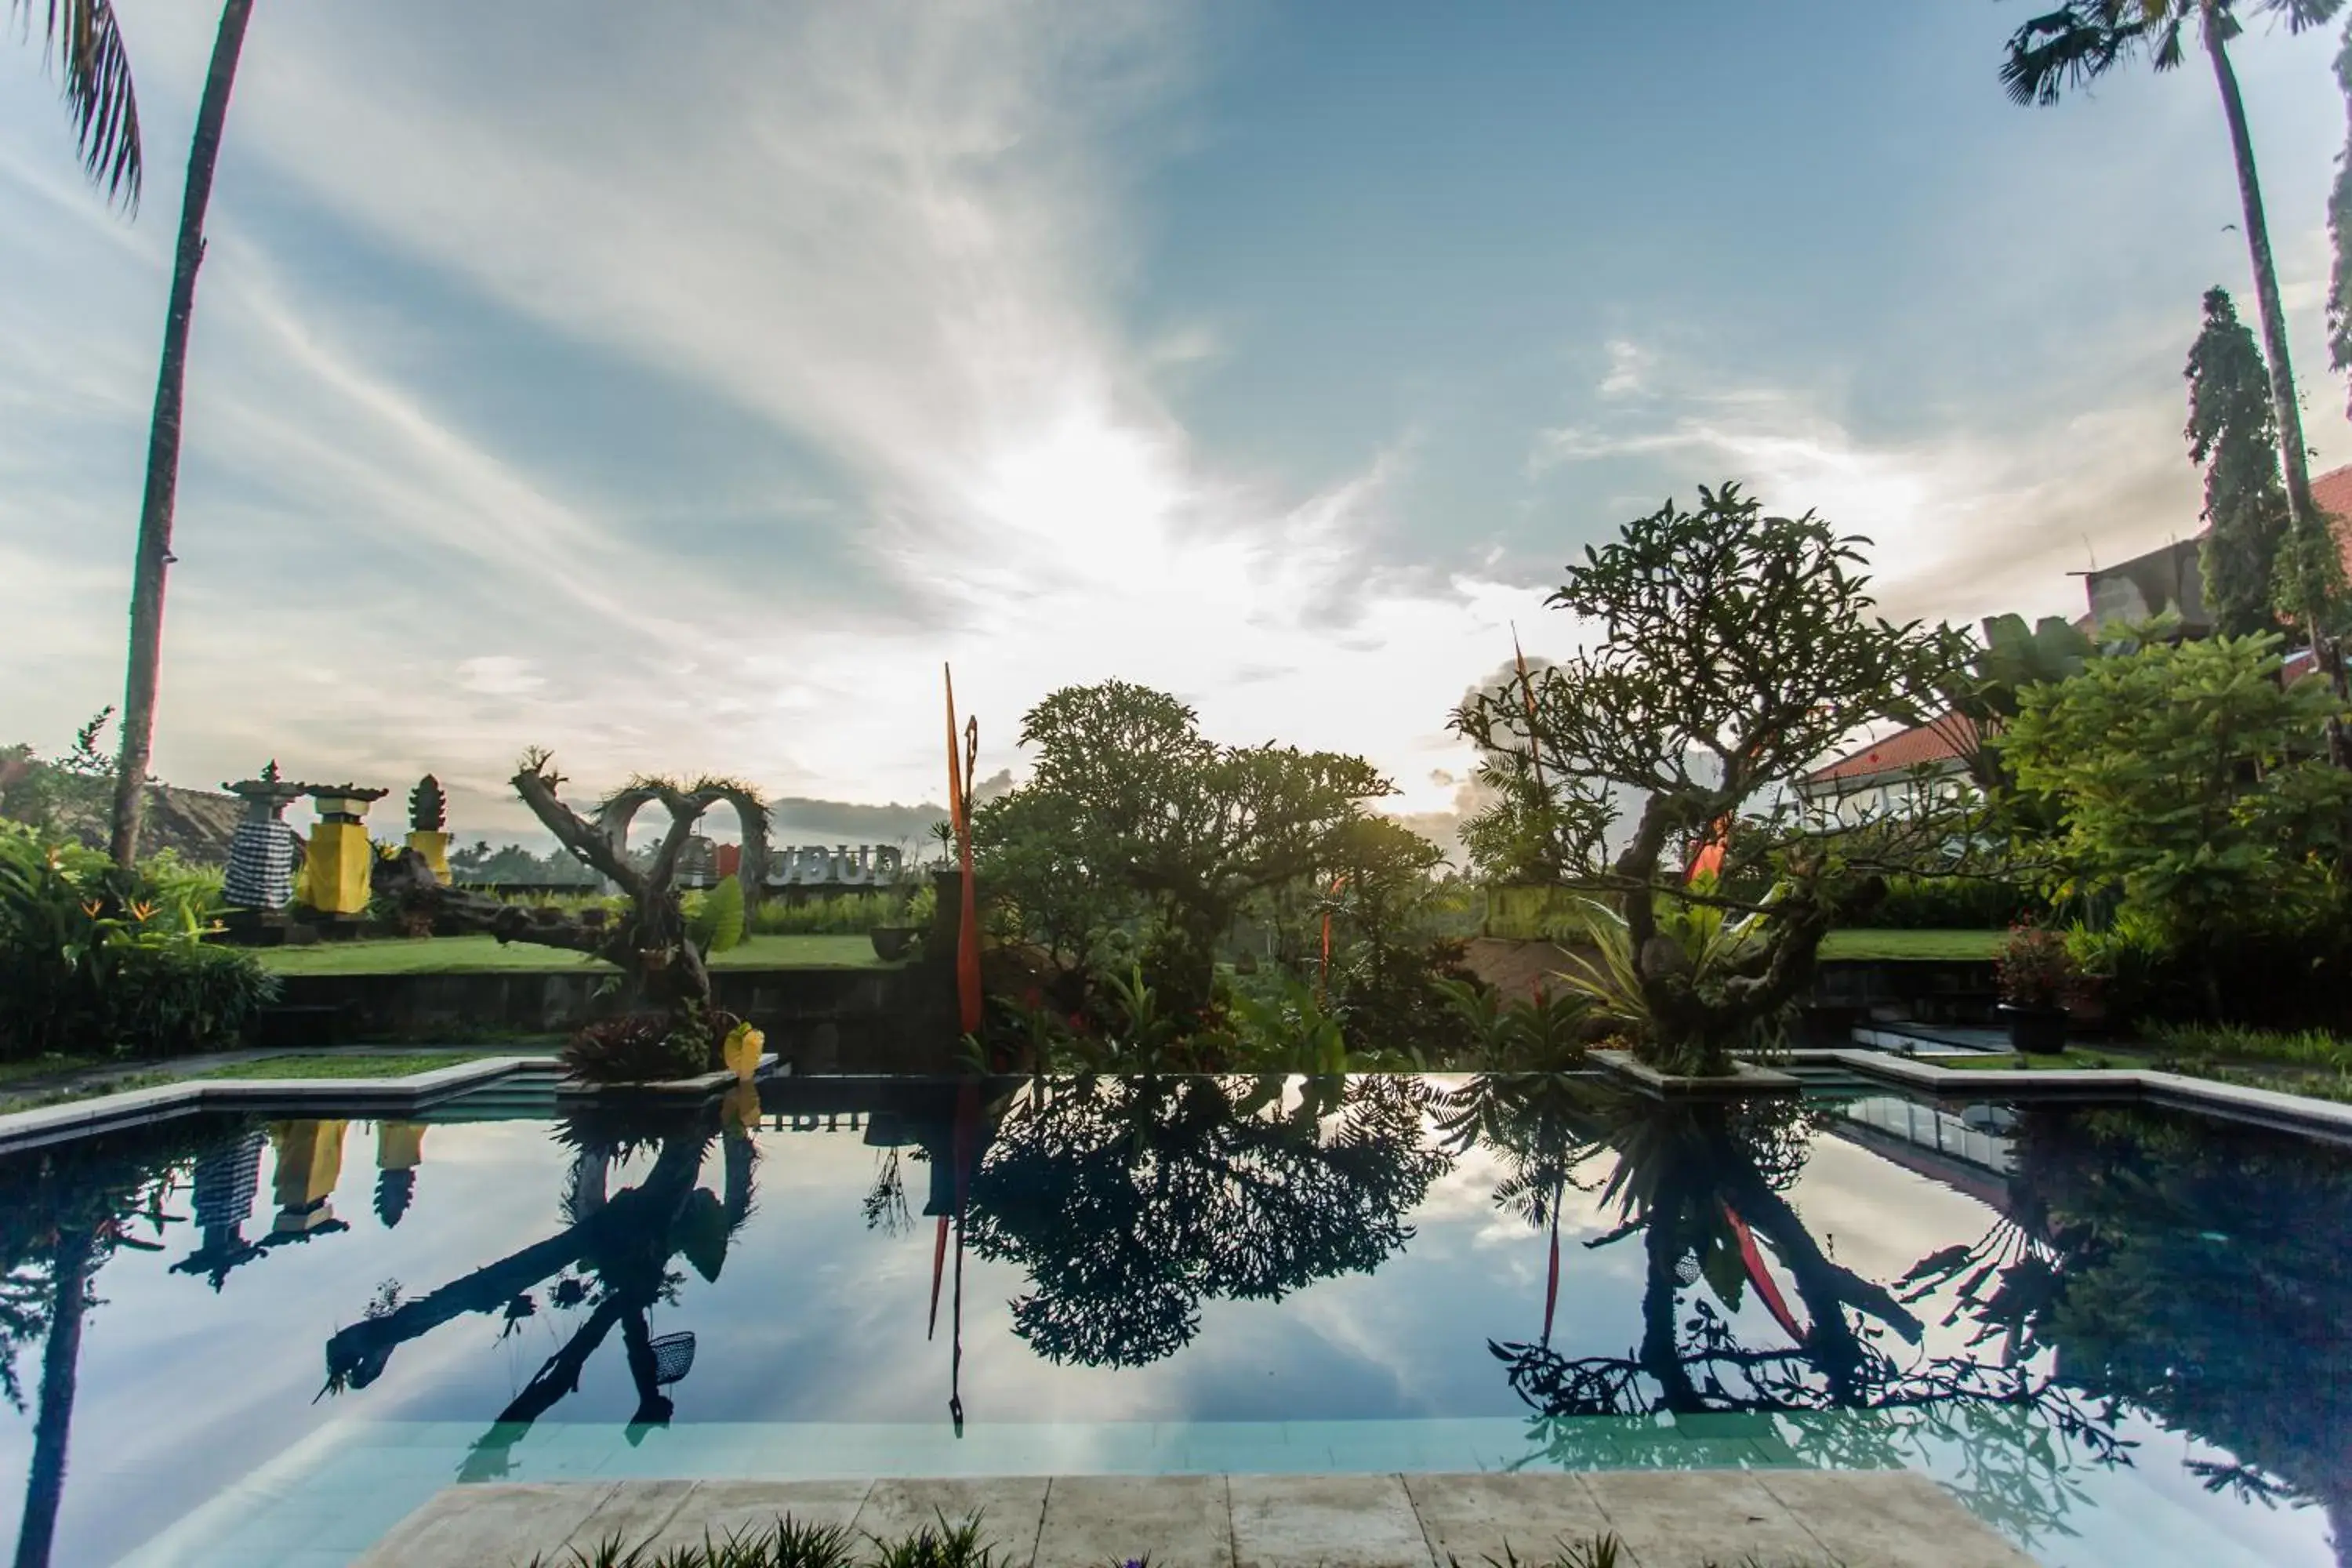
[2310, 1062]
[1967, 946]
[315, 1065]
[45, 1066]
[121, 1083]
[483, 955]
[312, 1065]
[2073, 1058]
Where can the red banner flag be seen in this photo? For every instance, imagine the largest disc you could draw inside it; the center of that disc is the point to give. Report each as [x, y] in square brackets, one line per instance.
[1751, 1257]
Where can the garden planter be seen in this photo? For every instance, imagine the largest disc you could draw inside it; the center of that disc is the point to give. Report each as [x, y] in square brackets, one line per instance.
[2035, 1031]
[891, 942]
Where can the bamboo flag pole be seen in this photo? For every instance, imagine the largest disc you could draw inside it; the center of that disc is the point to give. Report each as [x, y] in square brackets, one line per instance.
[968, 994]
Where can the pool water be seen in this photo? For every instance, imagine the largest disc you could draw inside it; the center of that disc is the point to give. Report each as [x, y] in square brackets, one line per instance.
[2115, 1336]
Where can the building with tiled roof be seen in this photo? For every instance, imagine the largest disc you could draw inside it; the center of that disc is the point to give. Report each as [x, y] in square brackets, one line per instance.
[1892, 773]
[1888, 773]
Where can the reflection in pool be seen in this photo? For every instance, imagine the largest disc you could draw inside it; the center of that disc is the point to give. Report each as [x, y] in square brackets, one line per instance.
[2115, 1336]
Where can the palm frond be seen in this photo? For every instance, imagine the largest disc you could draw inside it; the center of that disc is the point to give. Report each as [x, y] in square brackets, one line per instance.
[85, 41]
[2069, 48]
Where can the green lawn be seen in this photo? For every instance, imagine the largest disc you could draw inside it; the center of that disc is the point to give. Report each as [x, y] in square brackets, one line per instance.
[2074, 1058]
[475, 954]
[337, 1065]
[45, 1067]
[1967, 945]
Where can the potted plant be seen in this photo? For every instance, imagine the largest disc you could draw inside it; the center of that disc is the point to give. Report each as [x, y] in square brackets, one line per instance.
[2035, 974]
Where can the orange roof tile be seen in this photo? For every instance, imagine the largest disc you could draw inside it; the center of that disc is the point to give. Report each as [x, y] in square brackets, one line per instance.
[1941, 740]
[2333, 491]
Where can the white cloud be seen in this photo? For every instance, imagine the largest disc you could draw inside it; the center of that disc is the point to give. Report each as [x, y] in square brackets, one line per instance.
[890, 235]
[1964, 522]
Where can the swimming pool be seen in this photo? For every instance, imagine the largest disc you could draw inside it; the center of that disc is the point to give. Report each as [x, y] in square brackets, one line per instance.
[2115, 1335]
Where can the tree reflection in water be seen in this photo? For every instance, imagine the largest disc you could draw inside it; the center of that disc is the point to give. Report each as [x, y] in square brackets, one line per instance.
[1702, 1185]
[2193, 1270]
[610, 1264]
[1130, 1201]
[64, 1212]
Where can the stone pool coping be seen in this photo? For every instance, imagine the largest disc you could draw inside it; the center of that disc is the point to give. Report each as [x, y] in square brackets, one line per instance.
[1682, 1518]
[139, 1107]
[2235, 1103]
[134, 1107]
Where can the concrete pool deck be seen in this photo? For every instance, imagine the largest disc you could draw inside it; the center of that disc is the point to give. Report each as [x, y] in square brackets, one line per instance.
[1685, 1518]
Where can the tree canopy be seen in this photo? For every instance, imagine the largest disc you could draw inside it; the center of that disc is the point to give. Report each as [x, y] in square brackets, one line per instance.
[1132, 809]
[2233, 435]
[1727, 652]
[2191, 777]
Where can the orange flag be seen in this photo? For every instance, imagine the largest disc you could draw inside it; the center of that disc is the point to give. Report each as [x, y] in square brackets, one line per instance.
[1710, 858]
[968, 996]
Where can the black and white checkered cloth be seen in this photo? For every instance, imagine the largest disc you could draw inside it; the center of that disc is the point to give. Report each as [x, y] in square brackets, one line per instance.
[260, 867]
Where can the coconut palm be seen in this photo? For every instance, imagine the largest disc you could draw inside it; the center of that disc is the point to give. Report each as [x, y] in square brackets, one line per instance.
[94, 75]
[2080, 42]
[154, 547]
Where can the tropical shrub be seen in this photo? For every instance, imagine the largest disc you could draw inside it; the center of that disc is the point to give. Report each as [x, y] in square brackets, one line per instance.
[1542, 1033]
[95, 957]
[2192, 782]
[169, 997]
[1699, 943]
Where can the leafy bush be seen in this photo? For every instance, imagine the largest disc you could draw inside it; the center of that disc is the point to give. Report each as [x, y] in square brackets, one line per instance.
[169, 998]
[842, 914]
[1956, 903]
[94, 956]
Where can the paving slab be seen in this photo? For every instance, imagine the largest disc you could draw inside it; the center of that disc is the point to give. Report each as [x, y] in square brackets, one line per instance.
[1504, 1515]
[485, 1526]
[1011, 1509]
[1696, 1519]
[1326, 1521]
[632, 1512]
[1177, 1522]
[1889, 1518]
[719, 1509]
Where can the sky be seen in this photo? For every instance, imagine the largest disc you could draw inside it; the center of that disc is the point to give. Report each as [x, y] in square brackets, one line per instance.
[680, 398]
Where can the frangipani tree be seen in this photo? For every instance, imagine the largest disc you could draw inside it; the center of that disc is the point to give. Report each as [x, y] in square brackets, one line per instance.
[1729, 651]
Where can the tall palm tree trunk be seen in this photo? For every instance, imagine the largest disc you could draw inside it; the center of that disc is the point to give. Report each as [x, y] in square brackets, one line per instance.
[164, 444]
[2304, 517]
[45, 1484]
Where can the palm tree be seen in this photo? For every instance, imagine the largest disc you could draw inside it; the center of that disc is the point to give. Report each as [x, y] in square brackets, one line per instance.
[155, 548]
[2081, 41]
[95, 77]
